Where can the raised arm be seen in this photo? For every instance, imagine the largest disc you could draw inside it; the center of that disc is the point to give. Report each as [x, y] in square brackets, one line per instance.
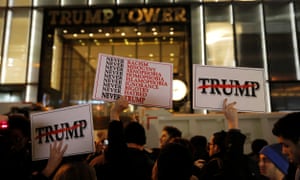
[231, 114]
[118, 107]
[57, 151]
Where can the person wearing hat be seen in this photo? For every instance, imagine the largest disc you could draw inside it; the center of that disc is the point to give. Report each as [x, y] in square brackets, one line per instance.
[272, 163]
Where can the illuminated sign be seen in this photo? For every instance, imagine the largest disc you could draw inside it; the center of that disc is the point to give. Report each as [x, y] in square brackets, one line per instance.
[118, 16]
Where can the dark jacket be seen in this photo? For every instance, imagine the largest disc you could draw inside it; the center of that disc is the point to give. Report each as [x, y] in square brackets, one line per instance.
[232, 163]
[122, 162]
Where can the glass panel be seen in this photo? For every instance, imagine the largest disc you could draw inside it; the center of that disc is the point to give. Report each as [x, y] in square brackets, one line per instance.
[15, 63]
[55, 81]
[219, 36]
[248, 36]
[1, 30]
[297, 12]
[35, 46]
[26, 3]
[73, 2]
[3, 3]
[126, 50]
[46, 2]
[285, 96]
[31, 93]
[279, 40]
[171, 53]
[148, 51]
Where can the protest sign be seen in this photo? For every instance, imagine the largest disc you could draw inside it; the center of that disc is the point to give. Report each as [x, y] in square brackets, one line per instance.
[73, 125]
[142, 82]
[246, 86]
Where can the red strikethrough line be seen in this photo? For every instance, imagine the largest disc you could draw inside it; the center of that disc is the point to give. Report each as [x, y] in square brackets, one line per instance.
[58, 131]
[225, 86]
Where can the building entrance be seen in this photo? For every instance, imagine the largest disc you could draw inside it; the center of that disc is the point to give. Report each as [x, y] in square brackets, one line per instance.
[74, 55]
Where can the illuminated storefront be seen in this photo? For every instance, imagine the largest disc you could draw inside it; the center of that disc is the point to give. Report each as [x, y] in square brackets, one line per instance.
[49, 48]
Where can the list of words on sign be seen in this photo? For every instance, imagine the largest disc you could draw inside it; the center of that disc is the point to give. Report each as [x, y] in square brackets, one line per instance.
[140, 78]
[113, 74]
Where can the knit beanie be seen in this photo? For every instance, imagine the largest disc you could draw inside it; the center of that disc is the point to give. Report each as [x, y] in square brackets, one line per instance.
[273, 152]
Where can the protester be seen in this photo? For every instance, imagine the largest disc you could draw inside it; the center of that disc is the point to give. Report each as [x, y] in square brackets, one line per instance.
[287, 129]
[227, 159]
[168, 134]
[256, 146]
[124, 157]
[15, 157]
[272, 163]
[174, 162]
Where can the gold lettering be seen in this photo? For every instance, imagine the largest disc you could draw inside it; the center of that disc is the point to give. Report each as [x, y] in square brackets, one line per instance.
[167, 15]
[77, 17]
[93, 18]
[180, 14]
[134, 19]
[107, 15]
[53, 15]
[123, 13]
[65, 17]
[149, 14]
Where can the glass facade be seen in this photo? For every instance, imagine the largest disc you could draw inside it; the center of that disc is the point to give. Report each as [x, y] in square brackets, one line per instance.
[37, 62]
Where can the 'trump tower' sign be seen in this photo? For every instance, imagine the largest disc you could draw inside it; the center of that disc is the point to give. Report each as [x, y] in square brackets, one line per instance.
[73, 125]
[246, 86]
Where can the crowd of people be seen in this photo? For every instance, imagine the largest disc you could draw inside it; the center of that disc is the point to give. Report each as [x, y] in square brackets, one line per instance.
[177, 158]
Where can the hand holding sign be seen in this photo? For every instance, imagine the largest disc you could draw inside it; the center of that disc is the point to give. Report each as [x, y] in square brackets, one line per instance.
[120, 105]
[56, 156]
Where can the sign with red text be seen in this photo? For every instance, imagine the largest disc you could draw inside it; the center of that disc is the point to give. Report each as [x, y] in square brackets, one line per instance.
[73, 125]
[246, 86]
[142, 82]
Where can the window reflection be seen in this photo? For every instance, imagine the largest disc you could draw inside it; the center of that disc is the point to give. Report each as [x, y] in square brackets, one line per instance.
[281, 59]
[248, 35]
[1, 29]
[13, 70]
[219, 36]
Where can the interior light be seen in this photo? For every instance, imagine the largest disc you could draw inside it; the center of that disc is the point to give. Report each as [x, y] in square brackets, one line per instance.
[179, 90]
[155, 33]
[139, 33]
[107, 34]
[123, 34]
[82, 30]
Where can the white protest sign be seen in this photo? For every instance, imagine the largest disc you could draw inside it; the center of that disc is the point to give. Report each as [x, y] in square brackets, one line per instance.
[212, 84]
[142, 82]
[73, 125]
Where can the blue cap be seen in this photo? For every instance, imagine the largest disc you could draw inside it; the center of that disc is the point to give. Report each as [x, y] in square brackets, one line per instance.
[273, 152]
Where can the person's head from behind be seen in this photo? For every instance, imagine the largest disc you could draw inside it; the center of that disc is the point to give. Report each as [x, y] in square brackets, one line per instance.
[257, 145]
[199, 147]
[287, 129]
[135, 133]
[19, 131]
[217, 143]
[75, 171]
[174, 162]
[168, 134]
[272, 163]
